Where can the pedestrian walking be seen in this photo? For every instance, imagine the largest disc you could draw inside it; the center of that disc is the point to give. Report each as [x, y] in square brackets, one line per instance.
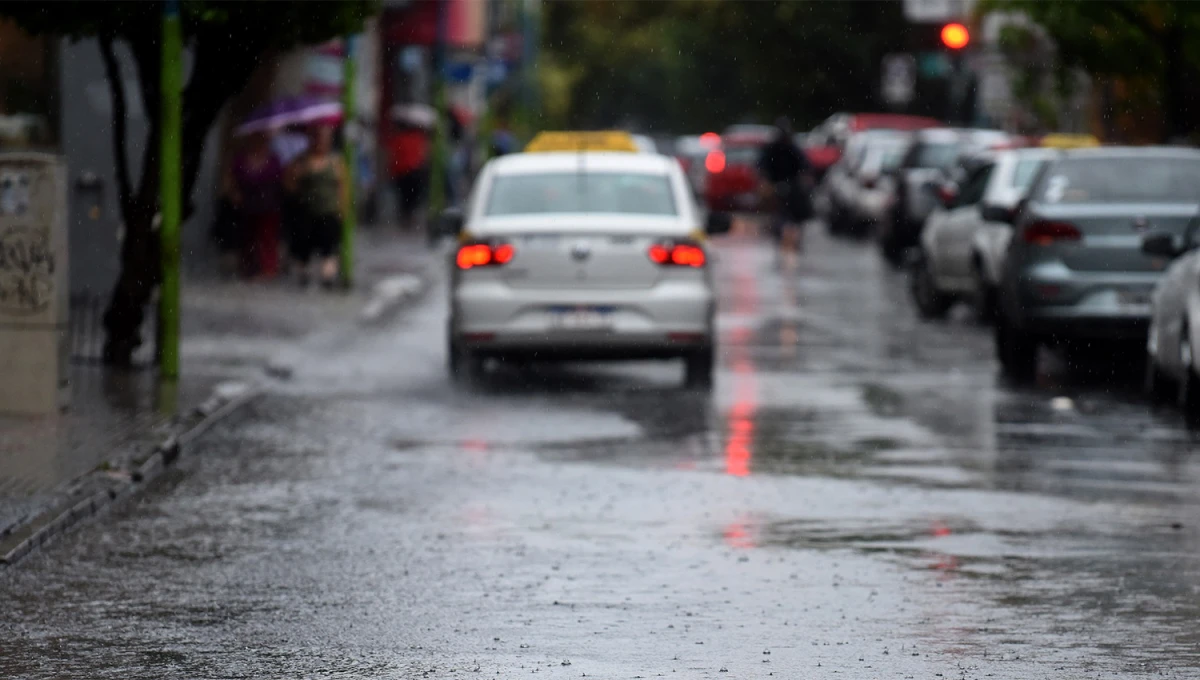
[256, 189]
[408, 164]
[786, 176]
[317, 181]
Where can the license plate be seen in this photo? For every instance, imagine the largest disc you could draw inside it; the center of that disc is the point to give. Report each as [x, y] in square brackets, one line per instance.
[581, 318]
[1133, 298]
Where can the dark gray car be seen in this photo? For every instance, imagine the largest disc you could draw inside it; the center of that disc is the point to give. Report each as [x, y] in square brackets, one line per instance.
[1075, 267]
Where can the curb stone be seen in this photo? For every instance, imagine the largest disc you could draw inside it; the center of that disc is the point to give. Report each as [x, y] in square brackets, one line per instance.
[44, 527]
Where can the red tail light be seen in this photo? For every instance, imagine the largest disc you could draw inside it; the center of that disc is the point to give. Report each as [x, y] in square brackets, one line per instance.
[714, 162]
[677, 254]
[1044, 233]
[473, 255]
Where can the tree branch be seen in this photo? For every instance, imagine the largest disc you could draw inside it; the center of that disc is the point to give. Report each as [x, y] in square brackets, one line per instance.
[1133, 18]
[116, 88]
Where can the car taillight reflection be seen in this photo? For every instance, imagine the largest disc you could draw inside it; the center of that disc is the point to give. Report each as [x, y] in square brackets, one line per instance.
[473, 255]
[677, 254]
[1044, 233]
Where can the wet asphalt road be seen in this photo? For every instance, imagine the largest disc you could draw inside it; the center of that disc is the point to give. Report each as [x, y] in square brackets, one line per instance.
[858, 498]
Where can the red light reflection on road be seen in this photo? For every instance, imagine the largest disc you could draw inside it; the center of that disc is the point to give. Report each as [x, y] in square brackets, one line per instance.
[740, 535]
[739, 438]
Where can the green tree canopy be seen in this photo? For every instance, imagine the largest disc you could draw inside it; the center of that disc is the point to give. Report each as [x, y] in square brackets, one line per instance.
[700, 64]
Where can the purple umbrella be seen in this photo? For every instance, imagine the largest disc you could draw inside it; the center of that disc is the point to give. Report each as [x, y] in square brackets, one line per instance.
[289, 111]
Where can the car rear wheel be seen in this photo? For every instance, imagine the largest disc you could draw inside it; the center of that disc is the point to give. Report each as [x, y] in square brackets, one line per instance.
[985, 295]
[931, 302]
[1159, 388]
[699, 368]
[1189, 388]
[463, 364]
[1017, 351]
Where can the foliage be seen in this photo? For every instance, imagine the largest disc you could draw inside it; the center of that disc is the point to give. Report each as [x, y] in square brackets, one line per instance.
[699, 64]
[228, 40]
[1146, 45]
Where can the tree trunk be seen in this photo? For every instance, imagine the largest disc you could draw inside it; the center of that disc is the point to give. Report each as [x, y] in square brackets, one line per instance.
[219, 72]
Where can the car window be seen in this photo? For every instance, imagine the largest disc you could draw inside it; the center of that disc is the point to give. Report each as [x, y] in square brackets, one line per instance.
[742, 155]
[940, 155]
[581, 192]
[1121, 179]
[975, 185]
[1025, 172]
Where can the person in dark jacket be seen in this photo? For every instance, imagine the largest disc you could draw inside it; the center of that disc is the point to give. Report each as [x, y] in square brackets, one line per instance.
[786, 174]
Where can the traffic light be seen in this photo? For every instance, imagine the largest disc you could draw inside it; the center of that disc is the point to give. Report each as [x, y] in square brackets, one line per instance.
[955, 36]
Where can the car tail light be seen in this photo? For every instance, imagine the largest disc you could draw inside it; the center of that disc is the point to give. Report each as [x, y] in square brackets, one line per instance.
[471, 255]
[714, 162]
[1044, 233]
[677, 254]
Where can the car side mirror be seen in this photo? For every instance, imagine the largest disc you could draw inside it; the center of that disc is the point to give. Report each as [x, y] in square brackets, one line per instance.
[1161, 244]
[451, 222]
[997, 213]
[718, 223]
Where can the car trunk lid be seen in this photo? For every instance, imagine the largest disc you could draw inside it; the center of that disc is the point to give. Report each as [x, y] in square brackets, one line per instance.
[582, 251]
[1111, 233]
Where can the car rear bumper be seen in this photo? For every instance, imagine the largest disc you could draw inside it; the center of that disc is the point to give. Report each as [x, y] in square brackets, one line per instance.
[668, 319]
[1059, 301]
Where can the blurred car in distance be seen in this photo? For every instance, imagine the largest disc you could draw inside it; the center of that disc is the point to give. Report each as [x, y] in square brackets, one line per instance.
[582, 255]
[839, 190]
[962, 246]
[825, 144]
[1076, 268]
[931, 158]
[645, 144]
[732, 180]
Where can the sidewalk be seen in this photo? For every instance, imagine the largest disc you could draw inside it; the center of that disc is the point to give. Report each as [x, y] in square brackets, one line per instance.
[231, 332]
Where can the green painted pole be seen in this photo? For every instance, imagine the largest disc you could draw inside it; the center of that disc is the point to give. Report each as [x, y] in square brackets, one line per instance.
[170, 189]
[350, 153]
[437, 165]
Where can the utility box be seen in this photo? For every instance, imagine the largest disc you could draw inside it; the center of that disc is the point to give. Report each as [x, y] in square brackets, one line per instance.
[34, 290]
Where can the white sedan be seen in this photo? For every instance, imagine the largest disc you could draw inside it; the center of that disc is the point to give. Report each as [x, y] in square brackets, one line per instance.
[592, 255]
[964, 241]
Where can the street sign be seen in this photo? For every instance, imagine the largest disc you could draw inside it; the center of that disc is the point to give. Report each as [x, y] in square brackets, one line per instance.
[936, 11]
[899, 78]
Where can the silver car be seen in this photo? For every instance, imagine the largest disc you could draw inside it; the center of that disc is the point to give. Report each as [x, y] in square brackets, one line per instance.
[592, 255]
[1171, 370]
[964, 240]
[1075, 268]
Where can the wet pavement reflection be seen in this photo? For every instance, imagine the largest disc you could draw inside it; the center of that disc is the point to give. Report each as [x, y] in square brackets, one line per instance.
[859, 497]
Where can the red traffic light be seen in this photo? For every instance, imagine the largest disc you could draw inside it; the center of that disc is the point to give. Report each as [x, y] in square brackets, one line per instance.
[955, 36]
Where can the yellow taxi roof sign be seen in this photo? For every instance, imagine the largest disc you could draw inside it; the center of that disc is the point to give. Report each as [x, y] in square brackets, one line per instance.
[602, 140]
[1062, 141]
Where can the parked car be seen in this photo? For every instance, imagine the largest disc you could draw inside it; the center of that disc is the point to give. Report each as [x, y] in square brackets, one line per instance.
[1171, 370]
[931, 157]
[1076, 267]
[837, 189]
[870, 202]
[691, 151]
[961, 252]
[732, 180]
[826, 144]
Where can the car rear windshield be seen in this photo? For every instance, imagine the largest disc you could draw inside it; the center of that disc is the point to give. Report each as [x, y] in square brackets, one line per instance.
[742, 155]
[940, 155]
[1122, 179]
[581, 192]
[1025, 171]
